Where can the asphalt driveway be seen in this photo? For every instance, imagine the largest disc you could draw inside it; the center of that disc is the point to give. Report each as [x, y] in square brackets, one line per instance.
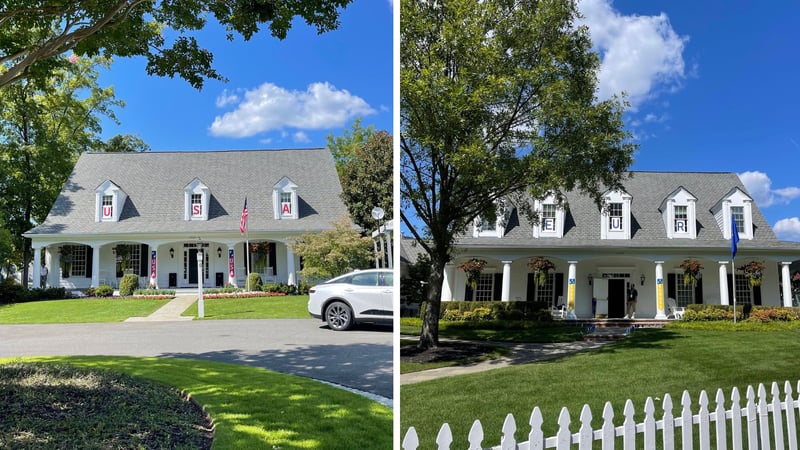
[360, 359]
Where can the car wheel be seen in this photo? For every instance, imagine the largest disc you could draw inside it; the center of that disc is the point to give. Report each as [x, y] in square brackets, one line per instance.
[339, 316]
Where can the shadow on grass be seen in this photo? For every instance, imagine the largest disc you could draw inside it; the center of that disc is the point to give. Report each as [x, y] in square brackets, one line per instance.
[255, 408]
[358, 366]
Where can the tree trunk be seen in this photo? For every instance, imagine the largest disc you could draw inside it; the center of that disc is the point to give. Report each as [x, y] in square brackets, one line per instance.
[430, 321]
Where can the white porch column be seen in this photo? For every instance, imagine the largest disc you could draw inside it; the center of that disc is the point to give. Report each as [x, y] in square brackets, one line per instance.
[786, 284]
[37, 263]
[660, 310]
[290, 267]
[232, 265]
[447, 282]
[95, 265]
[506, 290]
[572, 274]
[723, 283]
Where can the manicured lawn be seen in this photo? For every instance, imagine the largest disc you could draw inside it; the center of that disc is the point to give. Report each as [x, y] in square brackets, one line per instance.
[286, 307]
[256, 408]
[647, 364]
[78, 310]
[501, 331]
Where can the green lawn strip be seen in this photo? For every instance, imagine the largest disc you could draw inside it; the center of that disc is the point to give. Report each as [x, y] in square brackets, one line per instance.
[78, 310]
[649, 363]
[279, 307]
[492, 352]
[257, 408]
[498, 330]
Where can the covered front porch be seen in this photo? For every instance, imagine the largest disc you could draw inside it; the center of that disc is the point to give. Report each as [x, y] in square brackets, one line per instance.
[165, 263]
[599, 285]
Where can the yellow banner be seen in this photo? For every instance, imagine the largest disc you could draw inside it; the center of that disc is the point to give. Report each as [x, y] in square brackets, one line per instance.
[571, 295]
[660, 294]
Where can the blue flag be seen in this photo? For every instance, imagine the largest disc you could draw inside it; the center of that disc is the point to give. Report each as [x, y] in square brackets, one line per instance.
[734, 237]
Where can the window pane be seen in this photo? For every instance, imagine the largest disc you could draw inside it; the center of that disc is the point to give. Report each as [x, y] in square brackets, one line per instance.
[681, 219]
[485, 288]
[738, 216]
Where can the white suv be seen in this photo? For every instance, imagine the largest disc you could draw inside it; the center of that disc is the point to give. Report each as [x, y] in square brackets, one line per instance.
[360, 296]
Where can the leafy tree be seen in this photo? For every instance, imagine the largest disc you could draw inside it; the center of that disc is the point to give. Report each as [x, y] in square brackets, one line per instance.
[344, 147]
[497, 98]
[45, 123]
[126, 143]
[367, 181]
[334, 252]
[34, 34]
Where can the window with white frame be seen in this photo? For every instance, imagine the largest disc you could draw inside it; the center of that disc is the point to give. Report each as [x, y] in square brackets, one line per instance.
[684, 293]
[681, 221]
[738, 216]
[548, 222]
[78, 261]
[488, 225]
[615, 222]
[743, 289]
[128, 259]
[286, 204]
[285, 199]
[197, 205]
[108, 207]
[546, 292]
[484, 291]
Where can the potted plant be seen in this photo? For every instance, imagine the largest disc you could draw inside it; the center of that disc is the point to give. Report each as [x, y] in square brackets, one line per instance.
[473, 269]
[260, 250]
[540, 267]
[753, 270]
[691, 271]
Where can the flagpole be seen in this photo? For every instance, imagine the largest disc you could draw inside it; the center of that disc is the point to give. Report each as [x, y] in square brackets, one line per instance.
[247, 258]
[733, 274]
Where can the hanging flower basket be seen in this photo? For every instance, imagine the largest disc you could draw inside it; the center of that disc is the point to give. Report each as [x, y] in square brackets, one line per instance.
[540, 267]
[473, 269]
[691, 271]
[753, 270]
[796, 279]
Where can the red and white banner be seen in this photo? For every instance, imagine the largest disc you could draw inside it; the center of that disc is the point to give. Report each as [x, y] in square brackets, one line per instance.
[153, 271]
[231, 267]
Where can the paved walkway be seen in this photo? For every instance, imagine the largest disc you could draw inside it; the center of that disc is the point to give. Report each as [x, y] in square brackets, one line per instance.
[170, 312]
[520, 354]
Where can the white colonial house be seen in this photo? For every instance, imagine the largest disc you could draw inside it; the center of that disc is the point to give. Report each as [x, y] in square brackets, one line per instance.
[640, 238]
[151, 213]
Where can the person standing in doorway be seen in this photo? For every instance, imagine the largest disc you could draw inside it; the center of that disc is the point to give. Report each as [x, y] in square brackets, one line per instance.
[633, 295]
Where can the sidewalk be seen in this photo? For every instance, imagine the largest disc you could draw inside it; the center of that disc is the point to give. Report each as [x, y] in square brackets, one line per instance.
[169, 312]
[521, 353]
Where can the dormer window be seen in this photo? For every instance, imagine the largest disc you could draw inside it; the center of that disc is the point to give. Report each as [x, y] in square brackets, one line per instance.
[284, 199]
[551, 218]
[485, 227]
[739, 206]
[196, 199]
[678, 210]
[109, 200]
[615, 222]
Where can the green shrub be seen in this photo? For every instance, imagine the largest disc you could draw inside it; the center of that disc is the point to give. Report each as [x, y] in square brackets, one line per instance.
[254, 281]
[767, 315]
[90, 292]
[226, 290]
[275, 287]
[104, 290]
[128, 284]
[154, 292]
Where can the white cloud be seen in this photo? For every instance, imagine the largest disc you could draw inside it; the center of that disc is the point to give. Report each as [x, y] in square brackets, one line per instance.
[641, 55]
[270, 107]
[759, 186]
[788, 229]
[225, 99]
[301, 137]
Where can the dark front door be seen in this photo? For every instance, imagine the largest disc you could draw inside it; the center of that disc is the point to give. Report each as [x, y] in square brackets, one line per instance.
[192, 262]
[616, 298]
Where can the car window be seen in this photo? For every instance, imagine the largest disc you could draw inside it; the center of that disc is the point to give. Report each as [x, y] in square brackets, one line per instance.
[388, 279]
[365, 279]
[346, 280]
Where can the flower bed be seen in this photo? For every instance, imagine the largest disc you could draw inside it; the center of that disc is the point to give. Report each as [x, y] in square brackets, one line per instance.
[244, 294]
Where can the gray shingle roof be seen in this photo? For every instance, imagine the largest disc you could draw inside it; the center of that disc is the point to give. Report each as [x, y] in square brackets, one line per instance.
[155, 182]
[648, 189]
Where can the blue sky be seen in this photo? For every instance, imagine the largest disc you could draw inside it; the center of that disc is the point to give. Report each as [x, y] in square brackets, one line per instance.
[280, 94]
[713, 87]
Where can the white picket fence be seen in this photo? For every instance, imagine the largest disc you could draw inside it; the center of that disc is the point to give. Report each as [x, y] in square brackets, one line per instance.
[763, 423]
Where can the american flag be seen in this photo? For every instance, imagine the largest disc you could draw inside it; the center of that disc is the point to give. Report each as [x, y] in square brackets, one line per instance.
[243, 222]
